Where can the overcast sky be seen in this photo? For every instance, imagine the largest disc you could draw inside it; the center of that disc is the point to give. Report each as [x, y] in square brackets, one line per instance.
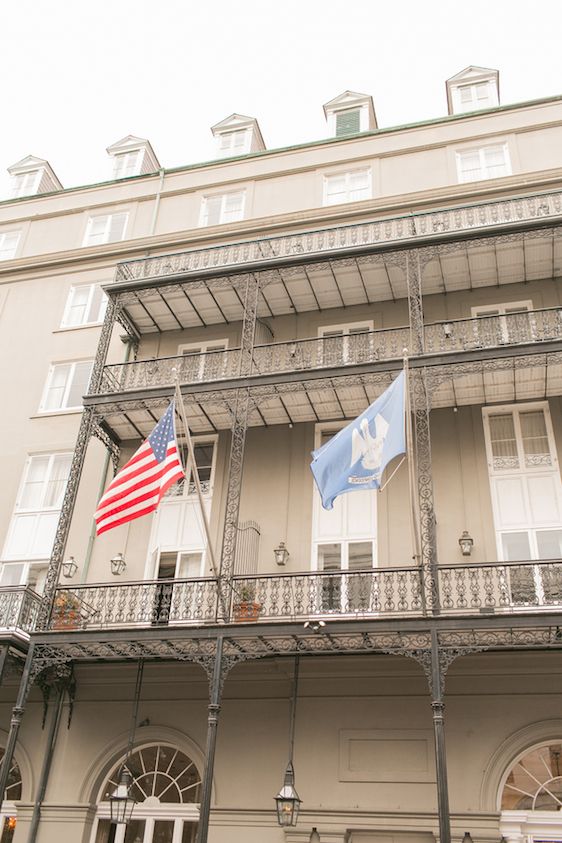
[78, 76]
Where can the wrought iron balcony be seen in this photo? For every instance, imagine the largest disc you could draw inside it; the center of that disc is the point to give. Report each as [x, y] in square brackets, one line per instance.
[385, 231]
[459, 335]
[464, 589]
[19, 607]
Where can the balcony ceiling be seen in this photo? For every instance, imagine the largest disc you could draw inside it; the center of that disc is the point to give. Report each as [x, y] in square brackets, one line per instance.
[334, 283]
[505, 380]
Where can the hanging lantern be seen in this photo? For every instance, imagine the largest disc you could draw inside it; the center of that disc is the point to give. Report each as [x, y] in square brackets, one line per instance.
[288, 802]
[121, 802]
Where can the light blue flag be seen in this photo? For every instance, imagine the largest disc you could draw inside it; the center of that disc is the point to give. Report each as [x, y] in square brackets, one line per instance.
[357, 456]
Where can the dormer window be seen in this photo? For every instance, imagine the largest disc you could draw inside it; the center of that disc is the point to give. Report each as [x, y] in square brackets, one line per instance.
[32, 176]
[348, 122]
[237, 135]
[472, 89]
[132, 156]
[234, 141]
[350, 113]
[127, 164]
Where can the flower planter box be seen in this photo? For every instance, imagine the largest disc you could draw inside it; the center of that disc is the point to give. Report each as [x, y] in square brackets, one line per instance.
[246, 610]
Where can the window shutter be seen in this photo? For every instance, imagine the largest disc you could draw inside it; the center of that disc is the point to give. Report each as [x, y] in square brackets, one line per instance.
[8, 244]
[213, 206]
[348, 122]
[79, 385]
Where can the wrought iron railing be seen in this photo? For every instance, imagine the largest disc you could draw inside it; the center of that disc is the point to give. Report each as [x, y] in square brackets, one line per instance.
[383, 231]
[464, 589]
[19, 607]
[456, 335]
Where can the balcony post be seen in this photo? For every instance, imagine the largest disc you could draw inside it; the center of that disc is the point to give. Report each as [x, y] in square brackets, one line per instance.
[421, 407]
[15, 721]
[216, 680]
[238, 441]
[85, 431]
[438, 706]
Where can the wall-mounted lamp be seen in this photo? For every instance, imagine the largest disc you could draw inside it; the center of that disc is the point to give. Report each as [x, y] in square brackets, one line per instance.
[466, 543]
[281, 554]
[69, 568]
[118, 564]
[447, 330]
[467, 838]
[314, 836]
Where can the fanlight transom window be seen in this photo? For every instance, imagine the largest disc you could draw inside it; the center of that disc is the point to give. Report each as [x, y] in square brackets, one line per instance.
[534, 783]
[13, 787]
[161, 774]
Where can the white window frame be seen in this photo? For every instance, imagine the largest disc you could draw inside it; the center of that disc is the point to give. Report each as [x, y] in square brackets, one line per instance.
[231, 148]
[87, 321]
[346, 328]
[185, 493]
[223, 197]
[20, 189]
[67, 387]
[476, 103]
[121, 163]
[19, 510]
[108, 222]
[481, 150]
[202, 348]
[3, 236]
[504, 309]
[346, 174]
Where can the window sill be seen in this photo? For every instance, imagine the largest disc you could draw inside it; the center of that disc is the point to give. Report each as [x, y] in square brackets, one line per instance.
[67, 411]
[63, 329]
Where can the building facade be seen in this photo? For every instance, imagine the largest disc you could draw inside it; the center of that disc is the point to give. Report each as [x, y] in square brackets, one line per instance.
[282, 289]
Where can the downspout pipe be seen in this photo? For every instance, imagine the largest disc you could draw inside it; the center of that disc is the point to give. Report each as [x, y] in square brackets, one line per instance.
[157, 202]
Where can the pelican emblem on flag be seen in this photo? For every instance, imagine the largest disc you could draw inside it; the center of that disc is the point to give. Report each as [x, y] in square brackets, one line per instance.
[366, 448]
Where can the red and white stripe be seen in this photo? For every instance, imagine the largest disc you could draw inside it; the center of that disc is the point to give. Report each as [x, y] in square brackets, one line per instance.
[138, 488]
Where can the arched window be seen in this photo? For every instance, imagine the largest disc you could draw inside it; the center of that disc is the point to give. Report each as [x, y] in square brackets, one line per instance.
[11, 794]
[166, 786]
[534, 783]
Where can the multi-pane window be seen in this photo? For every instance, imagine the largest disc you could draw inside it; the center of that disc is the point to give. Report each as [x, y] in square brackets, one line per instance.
[106, 228]
[504, 323]
[205, 361]
[474, 96]
[347, 344]
[127, 164]
[8, 244]
[352, 186]
[348, 122]
[37, 509]
[25, 184]
[66, 384]
[485, 162]
[85, 305]
[525, 483]
[222, 208]
[235, 141]
[204, 459]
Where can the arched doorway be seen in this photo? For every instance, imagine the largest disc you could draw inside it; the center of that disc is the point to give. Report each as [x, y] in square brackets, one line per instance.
[11, 794]
[166, 786]
[531, 795]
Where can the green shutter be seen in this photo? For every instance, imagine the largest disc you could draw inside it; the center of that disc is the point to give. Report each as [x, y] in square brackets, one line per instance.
[348, 122]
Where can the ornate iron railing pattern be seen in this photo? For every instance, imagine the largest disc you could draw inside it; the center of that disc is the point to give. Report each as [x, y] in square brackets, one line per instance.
[464, 589]
[333, 240]
[19, 607]
[325, 352]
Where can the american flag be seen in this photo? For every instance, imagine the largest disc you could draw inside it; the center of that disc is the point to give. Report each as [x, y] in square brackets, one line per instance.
[140, 485]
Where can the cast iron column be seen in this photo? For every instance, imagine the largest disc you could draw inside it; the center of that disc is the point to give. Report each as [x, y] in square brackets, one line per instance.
[212, 727]
[15, 722]
[438, 707]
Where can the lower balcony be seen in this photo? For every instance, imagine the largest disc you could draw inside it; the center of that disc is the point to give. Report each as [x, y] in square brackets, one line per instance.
[465, 589]
[19, 608]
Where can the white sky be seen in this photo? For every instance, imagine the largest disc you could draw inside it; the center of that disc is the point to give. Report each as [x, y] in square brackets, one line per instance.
[78, 76]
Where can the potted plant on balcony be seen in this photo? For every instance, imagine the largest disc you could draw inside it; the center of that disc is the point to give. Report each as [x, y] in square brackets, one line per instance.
[66, 611]
[245, 608]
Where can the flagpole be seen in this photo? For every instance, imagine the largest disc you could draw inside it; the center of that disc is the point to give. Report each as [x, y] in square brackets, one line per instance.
[195, 473]
[414, 518]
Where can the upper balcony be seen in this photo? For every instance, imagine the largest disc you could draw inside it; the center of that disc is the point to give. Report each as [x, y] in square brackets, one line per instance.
[414, 229]
[467, 589]
[19, 609]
